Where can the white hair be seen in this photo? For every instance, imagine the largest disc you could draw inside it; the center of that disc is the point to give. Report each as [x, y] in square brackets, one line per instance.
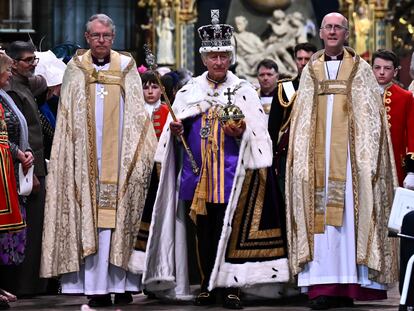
[103, 19]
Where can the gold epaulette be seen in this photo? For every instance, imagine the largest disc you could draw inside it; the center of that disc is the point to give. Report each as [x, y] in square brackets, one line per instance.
[284, 80]
[282, 102]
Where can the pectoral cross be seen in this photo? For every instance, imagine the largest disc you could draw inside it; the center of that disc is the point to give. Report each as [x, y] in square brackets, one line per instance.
[229, 93]
[101, 93]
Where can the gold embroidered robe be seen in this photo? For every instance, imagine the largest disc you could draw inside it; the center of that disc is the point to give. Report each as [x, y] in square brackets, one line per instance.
[373, 173]
[70, 222]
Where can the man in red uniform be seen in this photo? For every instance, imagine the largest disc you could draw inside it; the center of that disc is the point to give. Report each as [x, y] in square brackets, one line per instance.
[399, 105]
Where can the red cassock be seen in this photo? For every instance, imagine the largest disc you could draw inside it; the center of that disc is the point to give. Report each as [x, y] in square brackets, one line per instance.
[399, 105]
[10, 217]
[159, 116]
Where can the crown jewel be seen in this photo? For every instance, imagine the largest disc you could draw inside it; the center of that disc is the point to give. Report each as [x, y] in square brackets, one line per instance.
[215, 37]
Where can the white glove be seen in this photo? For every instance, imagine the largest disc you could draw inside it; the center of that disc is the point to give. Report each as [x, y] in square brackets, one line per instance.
[409, 181]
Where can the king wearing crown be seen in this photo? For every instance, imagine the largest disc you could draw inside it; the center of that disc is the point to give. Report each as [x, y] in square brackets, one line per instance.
[238, 240]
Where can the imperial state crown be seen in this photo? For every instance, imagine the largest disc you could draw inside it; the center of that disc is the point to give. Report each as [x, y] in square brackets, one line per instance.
[215, 37]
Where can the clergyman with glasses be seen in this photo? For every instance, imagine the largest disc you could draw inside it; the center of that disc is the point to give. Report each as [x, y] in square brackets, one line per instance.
[22, 89]
[101, 161]
[340, 178]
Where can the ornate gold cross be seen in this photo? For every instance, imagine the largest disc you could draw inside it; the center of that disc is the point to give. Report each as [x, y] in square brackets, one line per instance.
[229, 93]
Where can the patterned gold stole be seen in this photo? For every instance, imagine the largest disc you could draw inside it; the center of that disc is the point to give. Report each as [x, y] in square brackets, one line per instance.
[334, 199]
[108, 180]
[198, 205]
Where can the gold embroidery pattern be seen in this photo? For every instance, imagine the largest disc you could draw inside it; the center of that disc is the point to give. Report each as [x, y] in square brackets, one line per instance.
[251, 241]
[70, 225]
[372, 199]
[387, 102]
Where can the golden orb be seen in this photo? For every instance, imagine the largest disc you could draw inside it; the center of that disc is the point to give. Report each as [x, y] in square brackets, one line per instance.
[231, 115]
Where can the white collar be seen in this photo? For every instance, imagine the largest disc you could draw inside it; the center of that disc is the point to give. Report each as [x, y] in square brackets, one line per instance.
[150, 108]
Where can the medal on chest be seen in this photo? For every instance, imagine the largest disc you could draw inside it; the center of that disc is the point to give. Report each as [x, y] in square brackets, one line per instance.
[205, 130]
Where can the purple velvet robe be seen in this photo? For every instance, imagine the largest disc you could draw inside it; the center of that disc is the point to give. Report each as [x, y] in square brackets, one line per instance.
[221, 164]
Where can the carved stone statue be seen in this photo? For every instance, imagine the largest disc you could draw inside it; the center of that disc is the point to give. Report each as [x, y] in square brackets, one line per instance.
[165, 34]
[286, 32]
[250, 49]
[299, 29]
[283, 37]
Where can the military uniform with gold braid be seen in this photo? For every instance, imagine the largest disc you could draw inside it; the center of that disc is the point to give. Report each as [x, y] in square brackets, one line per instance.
[278, 126]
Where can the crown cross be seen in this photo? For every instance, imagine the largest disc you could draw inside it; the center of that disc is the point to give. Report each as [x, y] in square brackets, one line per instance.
[229, 93]
[215, 36]
[215, 16]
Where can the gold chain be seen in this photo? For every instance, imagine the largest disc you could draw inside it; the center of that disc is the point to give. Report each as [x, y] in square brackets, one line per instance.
[285, 125]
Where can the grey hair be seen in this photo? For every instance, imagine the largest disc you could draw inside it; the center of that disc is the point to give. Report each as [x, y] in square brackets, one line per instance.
[103, 19]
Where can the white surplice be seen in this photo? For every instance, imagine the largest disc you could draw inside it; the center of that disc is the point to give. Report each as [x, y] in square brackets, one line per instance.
[334, 260]
[97, 276]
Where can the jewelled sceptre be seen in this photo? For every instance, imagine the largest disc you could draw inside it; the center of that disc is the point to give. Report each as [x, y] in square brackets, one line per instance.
[150, 60]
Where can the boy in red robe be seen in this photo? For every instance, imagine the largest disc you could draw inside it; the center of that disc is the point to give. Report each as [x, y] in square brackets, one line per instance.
[399, 105]
[152, 96]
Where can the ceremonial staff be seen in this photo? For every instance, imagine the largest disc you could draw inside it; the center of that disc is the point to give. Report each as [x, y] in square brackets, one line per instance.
[150, 60]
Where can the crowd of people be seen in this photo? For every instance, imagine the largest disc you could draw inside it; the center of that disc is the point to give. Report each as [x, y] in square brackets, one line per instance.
[140, 181]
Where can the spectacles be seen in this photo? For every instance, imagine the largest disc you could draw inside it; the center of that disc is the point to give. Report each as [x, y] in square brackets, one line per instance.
[96, 36]
[30, 60]
[335, 28]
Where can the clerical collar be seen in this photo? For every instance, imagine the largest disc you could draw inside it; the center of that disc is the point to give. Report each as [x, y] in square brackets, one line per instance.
[101, 61]
[336, 57]
[216, 83]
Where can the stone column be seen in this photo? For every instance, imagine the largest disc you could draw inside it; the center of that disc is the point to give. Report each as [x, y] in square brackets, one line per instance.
[21, 11]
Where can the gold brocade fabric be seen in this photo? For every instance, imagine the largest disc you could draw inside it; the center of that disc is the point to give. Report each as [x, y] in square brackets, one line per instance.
[111, 93]
[373, 174]
[198, 205]
[329, 207]
[70, 221]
